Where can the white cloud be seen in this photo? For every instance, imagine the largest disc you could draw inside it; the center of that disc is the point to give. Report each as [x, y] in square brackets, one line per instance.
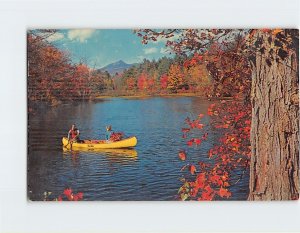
[56, 36]
[140, 58]
[80, 35]
[150, 50]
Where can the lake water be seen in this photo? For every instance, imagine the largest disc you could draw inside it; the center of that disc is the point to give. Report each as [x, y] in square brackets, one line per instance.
[149, 172]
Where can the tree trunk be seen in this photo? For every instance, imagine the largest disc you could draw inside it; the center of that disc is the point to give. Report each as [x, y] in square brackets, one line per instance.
[274, 169]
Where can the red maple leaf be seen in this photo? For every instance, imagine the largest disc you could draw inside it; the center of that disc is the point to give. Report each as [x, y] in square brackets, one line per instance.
[200, 181]
[185, 130]
[207, 194]
[200, 126]
[80, 195]
[224, 192]
[192, 169]
[190, 142]
[197, 141]
[182, 155]
[68, 192]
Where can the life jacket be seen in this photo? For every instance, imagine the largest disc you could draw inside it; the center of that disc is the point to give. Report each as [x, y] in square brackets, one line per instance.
[73, 133]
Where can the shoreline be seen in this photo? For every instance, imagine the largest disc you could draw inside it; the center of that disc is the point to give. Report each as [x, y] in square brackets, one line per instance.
[104, 97]
[155, 95]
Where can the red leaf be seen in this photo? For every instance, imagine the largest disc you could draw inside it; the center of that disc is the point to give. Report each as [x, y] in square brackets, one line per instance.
[68, 192]
[197, 141]
[224, 192]
[210, 153]
[206, 197]
[80, 195]
[192, 169]
[208, 189]
[186, 64]
[185, 130]
[200, 126]
[248, 122]
[190, 142]
[182, 155]
[208, 193]
[203, 165]
[215, 179]
[200, 181]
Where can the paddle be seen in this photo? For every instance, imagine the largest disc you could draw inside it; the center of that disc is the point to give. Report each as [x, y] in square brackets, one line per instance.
[70, 141]
[67, 143]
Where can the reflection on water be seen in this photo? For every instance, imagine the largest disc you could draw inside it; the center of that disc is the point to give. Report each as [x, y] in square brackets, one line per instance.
[115, 155]
[151, 171]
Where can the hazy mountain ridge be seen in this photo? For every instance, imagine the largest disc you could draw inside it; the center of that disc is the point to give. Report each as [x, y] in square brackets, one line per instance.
[116, 67]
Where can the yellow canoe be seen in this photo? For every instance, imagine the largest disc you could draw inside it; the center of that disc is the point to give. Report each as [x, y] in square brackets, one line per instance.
[101, 144]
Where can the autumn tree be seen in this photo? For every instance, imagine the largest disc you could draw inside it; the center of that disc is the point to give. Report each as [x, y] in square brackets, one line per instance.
[164, 81]
[80, 80]
[262, 63]
[99, 82]
[142, 82]
[131, 83]
[198, 78]
[47, 68]
[151, 83]
[274, 170]
[175, 78]
[52, 77]
[163, 66]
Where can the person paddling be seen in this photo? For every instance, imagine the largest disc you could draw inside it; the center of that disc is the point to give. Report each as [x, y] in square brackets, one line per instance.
[73, 134]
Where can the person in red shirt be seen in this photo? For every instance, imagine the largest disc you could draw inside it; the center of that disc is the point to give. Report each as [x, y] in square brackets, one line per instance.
[73, 134]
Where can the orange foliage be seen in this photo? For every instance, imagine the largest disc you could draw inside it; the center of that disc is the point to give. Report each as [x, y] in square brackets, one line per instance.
[131, 83]
[213, 179]
[142, 82]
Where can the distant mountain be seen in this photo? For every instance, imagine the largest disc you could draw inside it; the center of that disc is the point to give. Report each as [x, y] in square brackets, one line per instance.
[116, 67]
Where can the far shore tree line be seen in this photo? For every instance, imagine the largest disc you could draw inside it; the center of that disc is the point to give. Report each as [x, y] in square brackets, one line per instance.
[165, 76]
[53, 77]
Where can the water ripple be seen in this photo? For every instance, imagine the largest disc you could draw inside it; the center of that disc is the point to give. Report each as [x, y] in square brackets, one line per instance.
[150, 172]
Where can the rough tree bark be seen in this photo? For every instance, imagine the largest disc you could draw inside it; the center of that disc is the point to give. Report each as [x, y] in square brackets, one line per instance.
[274, 169]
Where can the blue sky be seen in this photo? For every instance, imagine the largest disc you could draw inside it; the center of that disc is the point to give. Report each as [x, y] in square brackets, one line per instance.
[101, 47]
